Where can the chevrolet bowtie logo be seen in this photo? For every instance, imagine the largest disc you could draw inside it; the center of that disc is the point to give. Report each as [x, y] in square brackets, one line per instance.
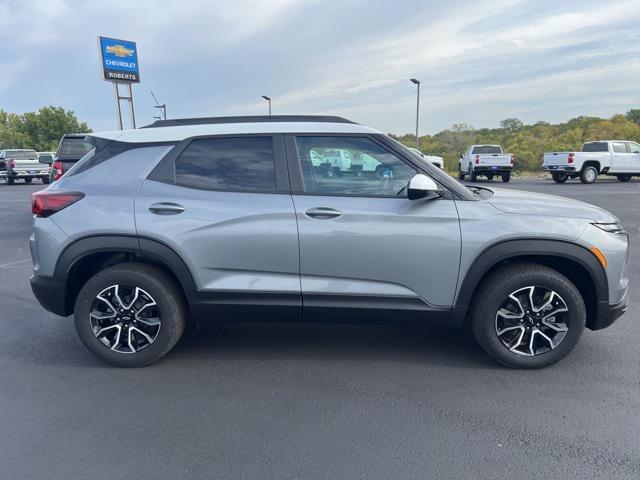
[120, 51]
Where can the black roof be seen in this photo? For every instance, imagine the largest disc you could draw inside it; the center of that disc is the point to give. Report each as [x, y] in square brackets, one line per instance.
[176, 122]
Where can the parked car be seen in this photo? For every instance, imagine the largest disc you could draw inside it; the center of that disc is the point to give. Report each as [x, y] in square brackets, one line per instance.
[437, 161]
[227, 219]
[487, 160]
[619, 158]
[22, 164]
[71, 148]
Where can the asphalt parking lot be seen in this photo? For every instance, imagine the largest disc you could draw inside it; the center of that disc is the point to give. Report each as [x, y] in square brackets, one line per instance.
[298, 401]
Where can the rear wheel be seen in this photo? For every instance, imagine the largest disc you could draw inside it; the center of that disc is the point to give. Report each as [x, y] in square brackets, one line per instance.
[130, 315]
[45, 180]
[527, 316]
[506, 177]
[11, 180]
[473, 176]
[624, 178]
[589, 174]
[559, 177]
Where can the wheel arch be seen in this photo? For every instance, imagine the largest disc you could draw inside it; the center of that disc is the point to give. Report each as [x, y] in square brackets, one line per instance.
[572, 260]
[592, 163]
[86, 256]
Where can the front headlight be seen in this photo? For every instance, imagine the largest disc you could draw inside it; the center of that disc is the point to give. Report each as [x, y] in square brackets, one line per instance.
[610, 227]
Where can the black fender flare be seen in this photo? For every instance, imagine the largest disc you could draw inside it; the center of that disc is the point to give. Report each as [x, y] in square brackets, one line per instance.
[521, 249]
[143, 249]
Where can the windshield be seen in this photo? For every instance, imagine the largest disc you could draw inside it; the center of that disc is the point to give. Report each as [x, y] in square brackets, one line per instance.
[73, 148]
[21, 154]
[488, 149]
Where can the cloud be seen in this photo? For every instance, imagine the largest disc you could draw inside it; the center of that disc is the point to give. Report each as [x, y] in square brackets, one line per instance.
[478, 62]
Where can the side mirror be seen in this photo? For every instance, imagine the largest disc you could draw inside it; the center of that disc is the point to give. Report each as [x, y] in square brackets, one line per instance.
[421, 186]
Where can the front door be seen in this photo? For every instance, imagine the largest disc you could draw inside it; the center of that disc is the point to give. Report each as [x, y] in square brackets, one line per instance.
[363, 243]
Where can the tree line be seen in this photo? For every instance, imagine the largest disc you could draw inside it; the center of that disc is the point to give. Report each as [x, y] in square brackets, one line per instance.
[527, 142]
[39, 130]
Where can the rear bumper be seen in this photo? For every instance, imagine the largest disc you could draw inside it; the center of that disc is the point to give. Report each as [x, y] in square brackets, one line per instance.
[50, 292]
[558, 168]
[27, 174]
[492, 169]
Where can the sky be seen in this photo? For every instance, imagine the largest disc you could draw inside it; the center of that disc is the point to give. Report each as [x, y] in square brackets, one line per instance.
[479, 62]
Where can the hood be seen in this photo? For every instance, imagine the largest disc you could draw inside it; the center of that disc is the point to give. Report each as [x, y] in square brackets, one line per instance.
[530, 203]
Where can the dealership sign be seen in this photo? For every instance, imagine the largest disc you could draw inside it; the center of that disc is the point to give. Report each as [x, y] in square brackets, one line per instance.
[119, 59]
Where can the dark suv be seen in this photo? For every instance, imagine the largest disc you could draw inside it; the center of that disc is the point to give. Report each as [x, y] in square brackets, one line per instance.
[72, 147]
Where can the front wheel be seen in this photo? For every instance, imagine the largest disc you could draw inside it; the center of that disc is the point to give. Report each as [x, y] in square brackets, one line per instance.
[589, 174]
[461, 174]
[130, 315]
[11, 180]
[527, 316]
[559, 177]
[624, 178]
[506, 177]
[473, 176]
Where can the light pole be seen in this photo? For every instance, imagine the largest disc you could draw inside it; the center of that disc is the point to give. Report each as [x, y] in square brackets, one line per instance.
[162, 108]
[417, 82]
[268, 99]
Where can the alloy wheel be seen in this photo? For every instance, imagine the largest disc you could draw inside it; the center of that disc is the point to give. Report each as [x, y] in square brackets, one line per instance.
[125, 319]
[532, 321]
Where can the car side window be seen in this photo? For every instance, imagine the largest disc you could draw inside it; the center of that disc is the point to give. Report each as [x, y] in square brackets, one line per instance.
[619, 147]
[231, 163]
[343, 165]
[633, 147]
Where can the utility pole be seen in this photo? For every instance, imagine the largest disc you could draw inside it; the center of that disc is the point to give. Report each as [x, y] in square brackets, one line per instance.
[162, 108]
[268, 99]
[417, 83]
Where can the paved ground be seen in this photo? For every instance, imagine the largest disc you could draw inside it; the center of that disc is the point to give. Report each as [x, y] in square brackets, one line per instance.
[306, 402]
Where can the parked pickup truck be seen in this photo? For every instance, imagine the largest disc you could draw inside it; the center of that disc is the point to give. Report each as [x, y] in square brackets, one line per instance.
[22, 164]
[487, 160]
[434, 159]
[618, 158]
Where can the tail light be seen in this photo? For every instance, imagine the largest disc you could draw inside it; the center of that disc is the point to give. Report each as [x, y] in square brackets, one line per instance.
[570, 158]
[58, 169]
[11, 163]
[45, 203]
[513, 159]
[477, 159]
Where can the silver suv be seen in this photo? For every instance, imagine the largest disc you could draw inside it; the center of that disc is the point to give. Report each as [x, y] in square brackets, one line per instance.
[229, 219]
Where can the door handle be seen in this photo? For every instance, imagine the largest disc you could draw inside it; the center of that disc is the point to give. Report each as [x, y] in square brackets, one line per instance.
[323, 213]
[166, 208]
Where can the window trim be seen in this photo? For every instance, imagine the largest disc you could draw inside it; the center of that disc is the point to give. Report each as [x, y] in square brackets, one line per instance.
[295, 168]
[164, 173]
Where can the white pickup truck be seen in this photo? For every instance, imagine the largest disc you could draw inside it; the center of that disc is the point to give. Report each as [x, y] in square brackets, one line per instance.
[22, 164]
[619, 158]
[487, 160]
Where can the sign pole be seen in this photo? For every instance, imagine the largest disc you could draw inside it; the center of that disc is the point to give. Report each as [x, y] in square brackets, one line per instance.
[115, 86]
[133, 113]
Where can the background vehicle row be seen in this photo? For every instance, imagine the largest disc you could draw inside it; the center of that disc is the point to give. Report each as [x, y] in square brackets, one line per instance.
[487, 160]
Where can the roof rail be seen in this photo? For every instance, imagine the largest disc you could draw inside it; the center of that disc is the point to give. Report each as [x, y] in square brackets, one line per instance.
[177, 122]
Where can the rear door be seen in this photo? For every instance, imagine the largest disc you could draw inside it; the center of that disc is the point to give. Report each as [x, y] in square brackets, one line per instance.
[223, 204]
[364, 245]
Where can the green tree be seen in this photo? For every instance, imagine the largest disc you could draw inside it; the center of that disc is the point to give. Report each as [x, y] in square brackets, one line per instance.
[634, 115]
[511, 125]
[39, 130]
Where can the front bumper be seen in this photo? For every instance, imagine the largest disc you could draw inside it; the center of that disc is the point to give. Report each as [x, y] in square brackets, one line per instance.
[607, 314]
[51, 293]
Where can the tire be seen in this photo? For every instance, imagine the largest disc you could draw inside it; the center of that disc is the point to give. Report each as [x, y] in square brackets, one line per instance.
[589, 174]
[11, 180]
[624, 178]
[461, 174]
[560, 177]
[45, 180]
[506, 177]
[497, 289]
[473, 176]
[169, 308]
[490, 177]
[27, 180]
